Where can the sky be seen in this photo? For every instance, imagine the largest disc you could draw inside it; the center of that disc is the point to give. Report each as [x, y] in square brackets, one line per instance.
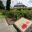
[27, 3]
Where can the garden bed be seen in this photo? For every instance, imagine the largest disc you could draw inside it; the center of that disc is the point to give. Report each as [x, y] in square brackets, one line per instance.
[10, 21]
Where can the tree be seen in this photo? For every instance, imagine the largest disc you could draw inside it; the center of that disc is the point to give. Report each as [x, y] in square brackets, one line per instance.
[1, 5]
[8, 4]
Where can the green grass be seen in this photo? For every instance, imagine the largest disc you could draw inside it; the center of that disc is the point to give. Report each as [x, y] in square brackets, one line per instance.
[1, 14]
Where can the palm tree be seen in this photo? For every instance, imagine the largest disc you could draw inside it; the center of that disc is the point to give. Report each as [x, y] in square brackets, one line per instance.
[8, 4]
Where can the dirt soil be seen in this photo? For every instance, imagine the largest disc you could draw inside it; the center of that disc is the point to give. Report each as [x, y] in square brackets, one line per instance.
[10, 21]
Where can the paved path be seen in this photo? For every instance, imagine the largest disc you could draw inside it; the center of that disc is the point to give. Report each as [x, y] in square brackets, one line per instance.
[4, 26]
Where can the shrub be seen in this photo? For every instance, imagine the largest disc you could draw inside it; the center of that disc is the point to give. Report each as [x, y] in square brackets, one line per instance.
[17, 13]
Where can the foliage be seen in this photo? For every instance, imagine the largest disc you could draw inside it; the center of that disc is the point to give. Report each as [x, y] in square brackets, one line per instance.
[20, 12]
[8, 5]
[1, 5]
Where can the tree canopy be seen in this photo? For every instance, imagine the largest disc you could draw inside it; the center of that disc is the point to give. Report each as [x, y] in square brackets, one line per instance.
[8, 4]
[1, 5]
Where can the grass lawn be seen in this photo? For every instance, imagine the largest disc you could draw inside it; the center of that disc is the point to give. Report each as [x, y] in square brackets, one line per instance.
[1, 14]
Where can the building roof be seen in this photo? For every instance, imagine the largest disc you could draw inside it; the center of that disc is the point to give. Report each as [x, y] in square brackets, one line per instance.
[20, 5]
